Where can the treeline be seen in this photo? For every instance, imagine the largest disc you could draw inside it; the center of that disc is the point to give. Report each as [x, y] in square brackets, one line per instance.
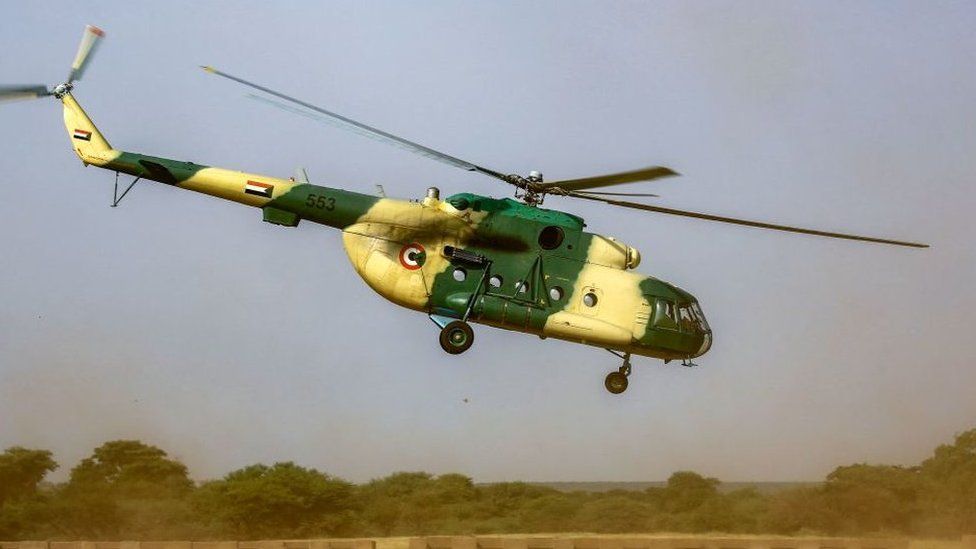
[130, 490]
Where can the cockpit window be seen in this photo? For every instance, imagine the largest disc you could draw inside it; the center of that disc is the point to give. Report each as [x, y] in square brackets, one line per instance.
[684, 314]
[700, 316]
[691, 319]
[664, 314]
[687, 317]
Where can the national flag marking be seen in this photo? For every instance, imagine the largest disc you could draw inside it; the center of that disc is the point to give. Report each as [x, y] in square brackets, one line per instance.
[82, 134]
[258, 188]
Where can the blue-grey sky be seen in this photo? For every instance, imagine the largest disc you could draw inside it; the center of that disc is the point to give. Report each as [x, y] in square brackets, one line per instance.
[187, 322]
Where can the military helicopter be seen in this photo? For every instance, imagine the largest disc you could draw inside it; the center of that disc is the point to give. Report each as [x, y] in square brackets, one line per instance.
[507, 263]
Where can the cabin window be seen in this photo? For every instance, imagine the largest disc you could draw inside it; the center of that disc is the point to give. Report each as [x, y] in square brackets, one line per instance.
[555, 293]
[460, 274]
[496, 281]
[590, 299]
[521, 286]
[664, 315]
[551, 237]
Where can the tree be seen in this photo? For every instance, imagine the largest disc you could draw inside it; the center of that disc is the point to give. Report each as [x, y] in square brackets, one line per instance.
[399, 484]
[131, 468]
[281, 500]
[125, 488]
[22, 508]
[686, 491]
[388, 502]
[555, 512]
[873, 498]
[507, 498]
[382, 512]
[949, 478]
[453, 488]
[800, 509]
[614, 514]
[21, 470]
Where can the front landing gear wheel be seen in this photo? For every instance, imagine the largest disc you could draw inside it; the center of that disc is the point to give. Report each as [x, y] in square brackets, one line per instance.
[456, 337]
[616, 382]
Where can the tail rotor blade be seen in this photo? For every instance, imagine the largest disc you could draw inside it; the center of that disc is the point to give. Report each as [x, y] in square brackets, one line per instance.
[86, 50]
[19, 93]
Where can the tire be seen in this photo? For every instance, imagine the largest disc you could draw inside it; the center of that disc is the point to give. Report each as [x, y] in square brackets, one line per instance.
[616, 382]
[456, 337]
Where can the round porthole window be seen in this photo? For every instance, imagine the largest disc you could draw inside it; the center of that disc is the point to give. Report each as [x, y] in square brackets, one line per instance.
[496, 281]
[555, 293]
[551, 237]
[521, 286]
[460, 274]
[590, 299]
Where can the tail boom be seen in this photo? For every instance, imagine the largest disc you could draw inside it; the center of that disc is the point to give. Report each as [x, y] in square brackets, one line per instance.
[93, 149]
[284, 201]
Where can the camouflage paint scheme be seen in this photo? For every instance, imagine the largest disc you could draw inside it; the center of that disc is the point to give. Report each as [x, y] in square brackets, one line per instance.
[581, 290]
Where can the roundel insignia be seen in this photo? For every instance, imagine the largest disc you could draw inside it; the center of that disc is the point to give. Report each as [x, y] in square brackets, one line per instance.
[412, 256]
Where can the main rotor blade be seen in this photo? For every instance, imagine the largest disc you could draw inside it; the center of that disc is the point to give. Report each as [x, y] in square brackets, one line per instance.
[644, 174]
[18, 93]
[746, 222]
[86, 51]
[620, 194]
[343, 122]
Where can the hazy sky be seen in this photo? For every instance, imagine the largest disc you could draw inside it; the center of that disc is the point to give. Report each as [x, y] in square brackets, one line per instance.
[186, 322]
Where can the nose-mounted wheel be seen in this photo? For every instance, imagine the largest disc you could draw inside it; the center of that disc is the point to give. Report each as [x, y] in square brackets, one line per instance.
[456, 337]
[616, 382]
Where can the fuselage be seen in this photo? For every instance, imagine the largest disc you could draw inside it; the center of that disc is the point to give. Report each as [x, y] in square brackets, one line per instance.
[492, 261]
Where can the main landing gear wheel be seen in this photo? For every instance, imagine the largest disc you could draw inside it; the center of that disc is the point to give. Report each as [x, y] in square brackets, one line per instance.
[456, 337]
[616, 382]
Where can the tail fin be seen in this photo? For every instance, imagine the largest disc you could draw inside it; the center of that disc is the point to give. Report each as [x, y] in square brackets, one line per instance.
[89, 143]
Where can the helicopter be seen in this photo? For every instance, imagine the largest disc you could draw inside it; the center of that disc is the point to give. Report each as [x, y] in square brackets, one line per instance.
[464, 259]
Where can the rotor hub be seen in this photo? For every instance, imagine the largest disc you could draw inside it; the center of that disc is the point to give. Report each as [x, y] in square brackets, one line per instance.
[528, 189]
[61, 90]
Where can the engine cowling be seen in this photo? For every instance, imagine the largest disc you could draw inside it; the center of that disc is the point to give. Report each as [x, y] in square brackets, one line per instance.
[608, 251]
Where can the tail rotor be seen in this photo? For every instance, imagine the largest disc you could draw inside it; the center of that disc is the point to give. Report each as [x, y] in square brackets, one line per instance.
[86, 51]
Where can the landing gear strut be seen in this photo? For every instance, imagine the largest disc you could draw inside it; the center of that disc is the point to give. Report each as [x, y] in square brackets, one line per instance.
[456, 337]
[616, 382]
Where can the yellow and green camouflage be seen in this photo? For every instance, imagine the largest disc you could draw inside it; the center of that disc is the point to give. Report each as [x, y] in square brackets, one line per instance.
[491, 261]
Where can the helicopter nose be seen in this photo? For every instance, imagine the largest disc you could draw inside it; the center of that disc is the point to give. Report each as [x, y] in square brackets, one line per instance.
[705, 345]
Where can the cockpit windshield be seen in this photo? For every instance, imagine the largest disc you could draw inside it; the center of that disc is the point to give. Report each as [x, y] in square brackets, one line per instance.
[691, 318]
[686, 317]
